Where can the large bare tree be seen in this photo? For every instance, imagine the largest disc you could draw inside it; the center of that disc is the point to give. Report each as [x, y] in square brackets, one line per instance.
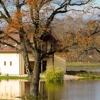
[31, 21]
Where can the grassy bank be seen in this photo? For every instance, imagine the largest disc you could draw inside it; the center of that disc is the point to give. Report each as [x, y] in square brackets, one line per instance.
[82, 64]
[13, 77]
[88, 67]
[89, 76]
[16, 78]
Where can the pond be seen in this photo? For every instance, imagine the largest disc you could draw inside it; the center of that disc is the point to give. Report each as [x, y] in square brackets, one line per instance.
[69, 90]
[75, 90]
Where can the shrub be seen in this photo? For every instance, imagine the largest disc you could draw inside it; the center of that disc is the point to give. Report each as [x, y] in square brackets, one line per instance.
[54, 75]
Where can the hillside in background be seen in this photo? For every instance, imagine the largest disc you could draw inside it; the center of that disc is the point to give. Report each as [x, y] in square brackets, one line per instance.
[80, 37]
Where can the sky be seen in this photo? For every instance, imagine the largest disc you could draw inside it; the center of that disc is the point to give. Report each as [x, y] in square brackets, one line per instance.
[97, 2]
[94, 3]
[89, 15]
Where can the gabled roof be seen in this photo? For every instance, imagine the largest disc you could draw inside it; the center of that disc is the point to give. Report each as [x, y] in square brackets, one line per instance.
[49, 36]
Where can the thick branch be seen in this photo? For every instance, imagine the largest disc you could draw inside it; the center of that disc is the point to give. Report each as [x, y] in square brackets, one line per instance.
[4, 7]
[95, 31]
[2, 16]
[61, 10]
[13, 39]
[3, 36]
[80, 4]
[5, 43]
[90, 48]
[1, 32]
[64, 49]
[29, 43]
[47, 54]
[20, 5]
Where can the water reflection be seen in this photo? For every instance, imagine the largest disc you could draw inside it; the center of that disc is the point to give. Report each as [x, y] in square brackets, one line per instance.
[9, 89]
[13, 89]
[75, 90]
[54, 91]
[69, 90]
[82, 90]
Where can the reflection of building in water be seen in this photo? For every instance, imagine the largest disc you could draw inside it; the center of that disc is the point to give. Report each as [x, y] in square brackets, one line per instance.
[16, 88]
[10, 89]
[25, 86]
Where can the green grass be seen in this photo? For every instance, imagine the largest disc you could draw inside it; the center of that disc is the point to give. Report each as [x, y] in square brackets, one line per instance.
[89, 76]
[42, 78]
[82, 64]
[54, 75]
[13, 77]
[17, 77]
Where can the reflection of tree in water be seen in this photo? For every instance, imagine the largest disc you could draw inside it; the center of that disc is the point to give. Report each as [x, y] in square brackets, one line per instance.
[54, 91]
[48, 91]
[41, 90]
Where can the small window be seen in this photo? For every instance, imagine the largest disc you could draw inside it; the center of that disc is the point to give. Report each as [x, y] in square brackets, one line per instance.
[10, 63]
[4, 63]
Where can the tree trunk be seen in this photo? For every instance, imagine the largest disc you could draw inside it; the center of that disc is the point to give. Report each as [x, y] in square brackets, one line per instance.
[26, 63]
[25, 55]
[34, 82]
